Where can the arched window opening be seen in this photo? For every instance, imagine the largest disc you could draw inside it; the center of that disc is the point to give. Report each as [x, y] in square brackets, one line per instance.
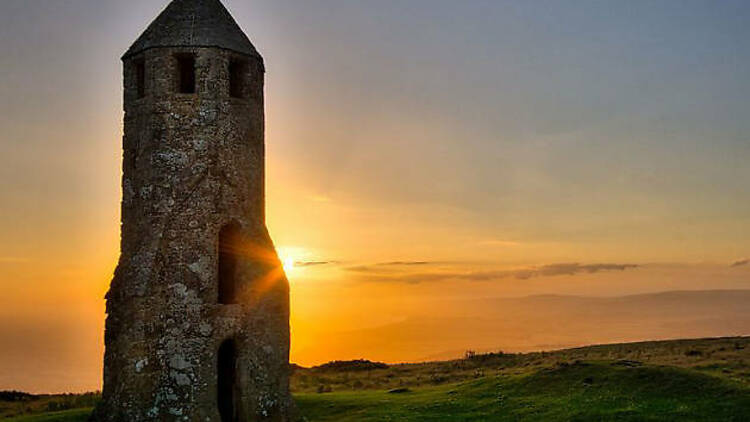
[229, 253]
[227, 393]
[186, 73]
[237, 72]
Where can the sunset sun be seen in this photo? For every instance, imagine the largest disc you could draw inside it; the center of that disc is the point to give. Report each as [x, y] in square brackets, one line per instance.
[290, 258]
[288, 263]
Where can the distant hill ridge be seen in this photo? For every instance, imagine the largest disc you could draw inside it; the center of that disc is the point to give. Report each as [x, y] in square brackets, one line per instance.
[665, 293]
[547, 322]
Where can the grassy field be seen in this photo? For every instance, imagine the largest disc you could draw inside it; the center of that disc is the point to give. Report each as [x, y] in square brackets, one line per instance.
[727, 358]
[685, 380]
[577, 392]
[74, 415]
[58, 408]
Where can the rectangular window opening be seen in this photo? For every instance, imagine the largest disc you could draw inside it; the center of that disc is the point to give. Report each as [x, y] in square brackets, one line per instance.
[140, 76]
[237, 74]
[186, 73]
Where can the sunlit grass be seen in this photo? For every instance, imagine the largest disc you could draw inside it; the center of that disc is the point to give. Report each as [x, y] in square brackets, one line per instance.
[580, 392]
[685, 380]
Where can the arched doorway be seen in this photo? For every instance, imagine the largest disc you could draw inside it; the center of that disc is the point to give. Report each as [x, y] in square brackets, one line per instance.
[229, 254]
[227, 391]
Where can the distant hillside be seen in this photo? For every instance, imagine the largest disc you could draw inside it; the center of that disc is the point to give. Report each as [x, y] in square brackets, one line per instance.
[547, 322]
[726, 357]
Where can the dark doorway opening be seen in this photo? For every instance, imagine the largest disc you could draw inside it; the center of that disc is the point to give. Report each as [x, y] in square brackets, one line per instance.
[227, 382]
[229, 253]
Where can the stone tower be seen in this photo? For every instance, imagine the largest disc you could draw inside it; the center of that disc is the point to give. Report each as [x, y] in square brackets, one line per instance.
[198, 310]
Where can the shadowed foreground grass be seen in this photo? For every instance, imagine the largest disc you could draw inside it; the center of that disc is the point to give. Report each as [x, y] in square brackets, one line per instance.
[577, 392]
[75, 415]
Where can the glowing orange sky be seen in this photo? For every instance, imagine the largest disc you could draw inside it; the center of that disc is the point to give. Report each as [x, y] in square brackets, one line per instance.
[482, 138]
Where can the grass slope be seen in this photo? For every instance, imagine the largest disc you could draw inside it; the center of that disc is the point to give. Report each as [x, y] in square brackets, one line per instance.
[723, 357]
[578, 392]
[75, 415]
[685, 380]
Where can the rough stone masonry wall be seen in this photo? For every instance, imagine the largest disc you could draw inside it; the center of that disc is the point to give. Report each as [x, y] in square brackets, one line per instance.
[193, 163]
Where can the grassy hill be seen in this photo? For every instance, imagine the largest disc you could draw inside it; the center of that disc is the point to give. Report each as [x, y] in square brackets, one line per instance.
[580, 392]
[686, 380]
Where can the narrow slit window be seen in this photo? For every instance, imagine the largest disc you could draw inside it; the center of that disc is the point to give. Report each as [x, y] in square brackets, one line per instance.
[229, 252]
[186, 73]
[140, 77]
[237, 74]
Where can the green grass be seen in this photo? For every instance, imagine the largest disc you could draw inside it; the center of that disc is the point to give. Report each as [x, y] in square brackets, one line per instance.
[578, 392]
[75, 415]
[685, 380]
[724, 357]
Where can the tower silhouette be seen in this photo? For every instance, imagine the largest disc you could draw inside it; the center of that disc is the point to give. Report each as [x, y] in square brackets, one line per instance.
[198, 311]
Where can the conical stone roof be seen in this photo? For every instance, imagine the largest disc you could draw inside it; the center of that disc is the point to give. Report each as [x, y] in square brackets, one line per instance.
[194, 23]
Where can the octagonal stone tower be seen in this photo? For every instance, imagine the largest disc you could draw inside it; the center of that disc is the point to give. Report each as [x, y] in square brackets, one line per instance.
[198, 310]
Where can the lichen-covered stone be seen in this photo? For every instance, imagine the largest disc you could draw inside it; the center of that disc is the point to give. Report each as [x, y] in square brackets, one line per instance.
[193, 165]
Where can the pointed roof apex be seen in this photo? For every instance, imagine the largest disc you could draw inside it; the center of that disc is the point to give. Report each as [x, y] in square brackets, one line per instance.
[194, 23]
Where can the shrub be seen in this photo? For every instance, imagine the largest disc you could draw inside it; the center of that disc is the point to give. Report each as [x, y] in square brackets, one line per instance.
[15, 396]
[324, 389]
[351, 365]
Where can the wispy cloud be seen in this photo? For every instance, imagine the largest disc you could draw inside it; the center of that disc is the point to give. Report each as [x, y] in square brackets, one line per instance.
[575, 268]
[741, 262]
[312, 263]
[363, 269]
[393, 267]
[404, 263]
[378, 272]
